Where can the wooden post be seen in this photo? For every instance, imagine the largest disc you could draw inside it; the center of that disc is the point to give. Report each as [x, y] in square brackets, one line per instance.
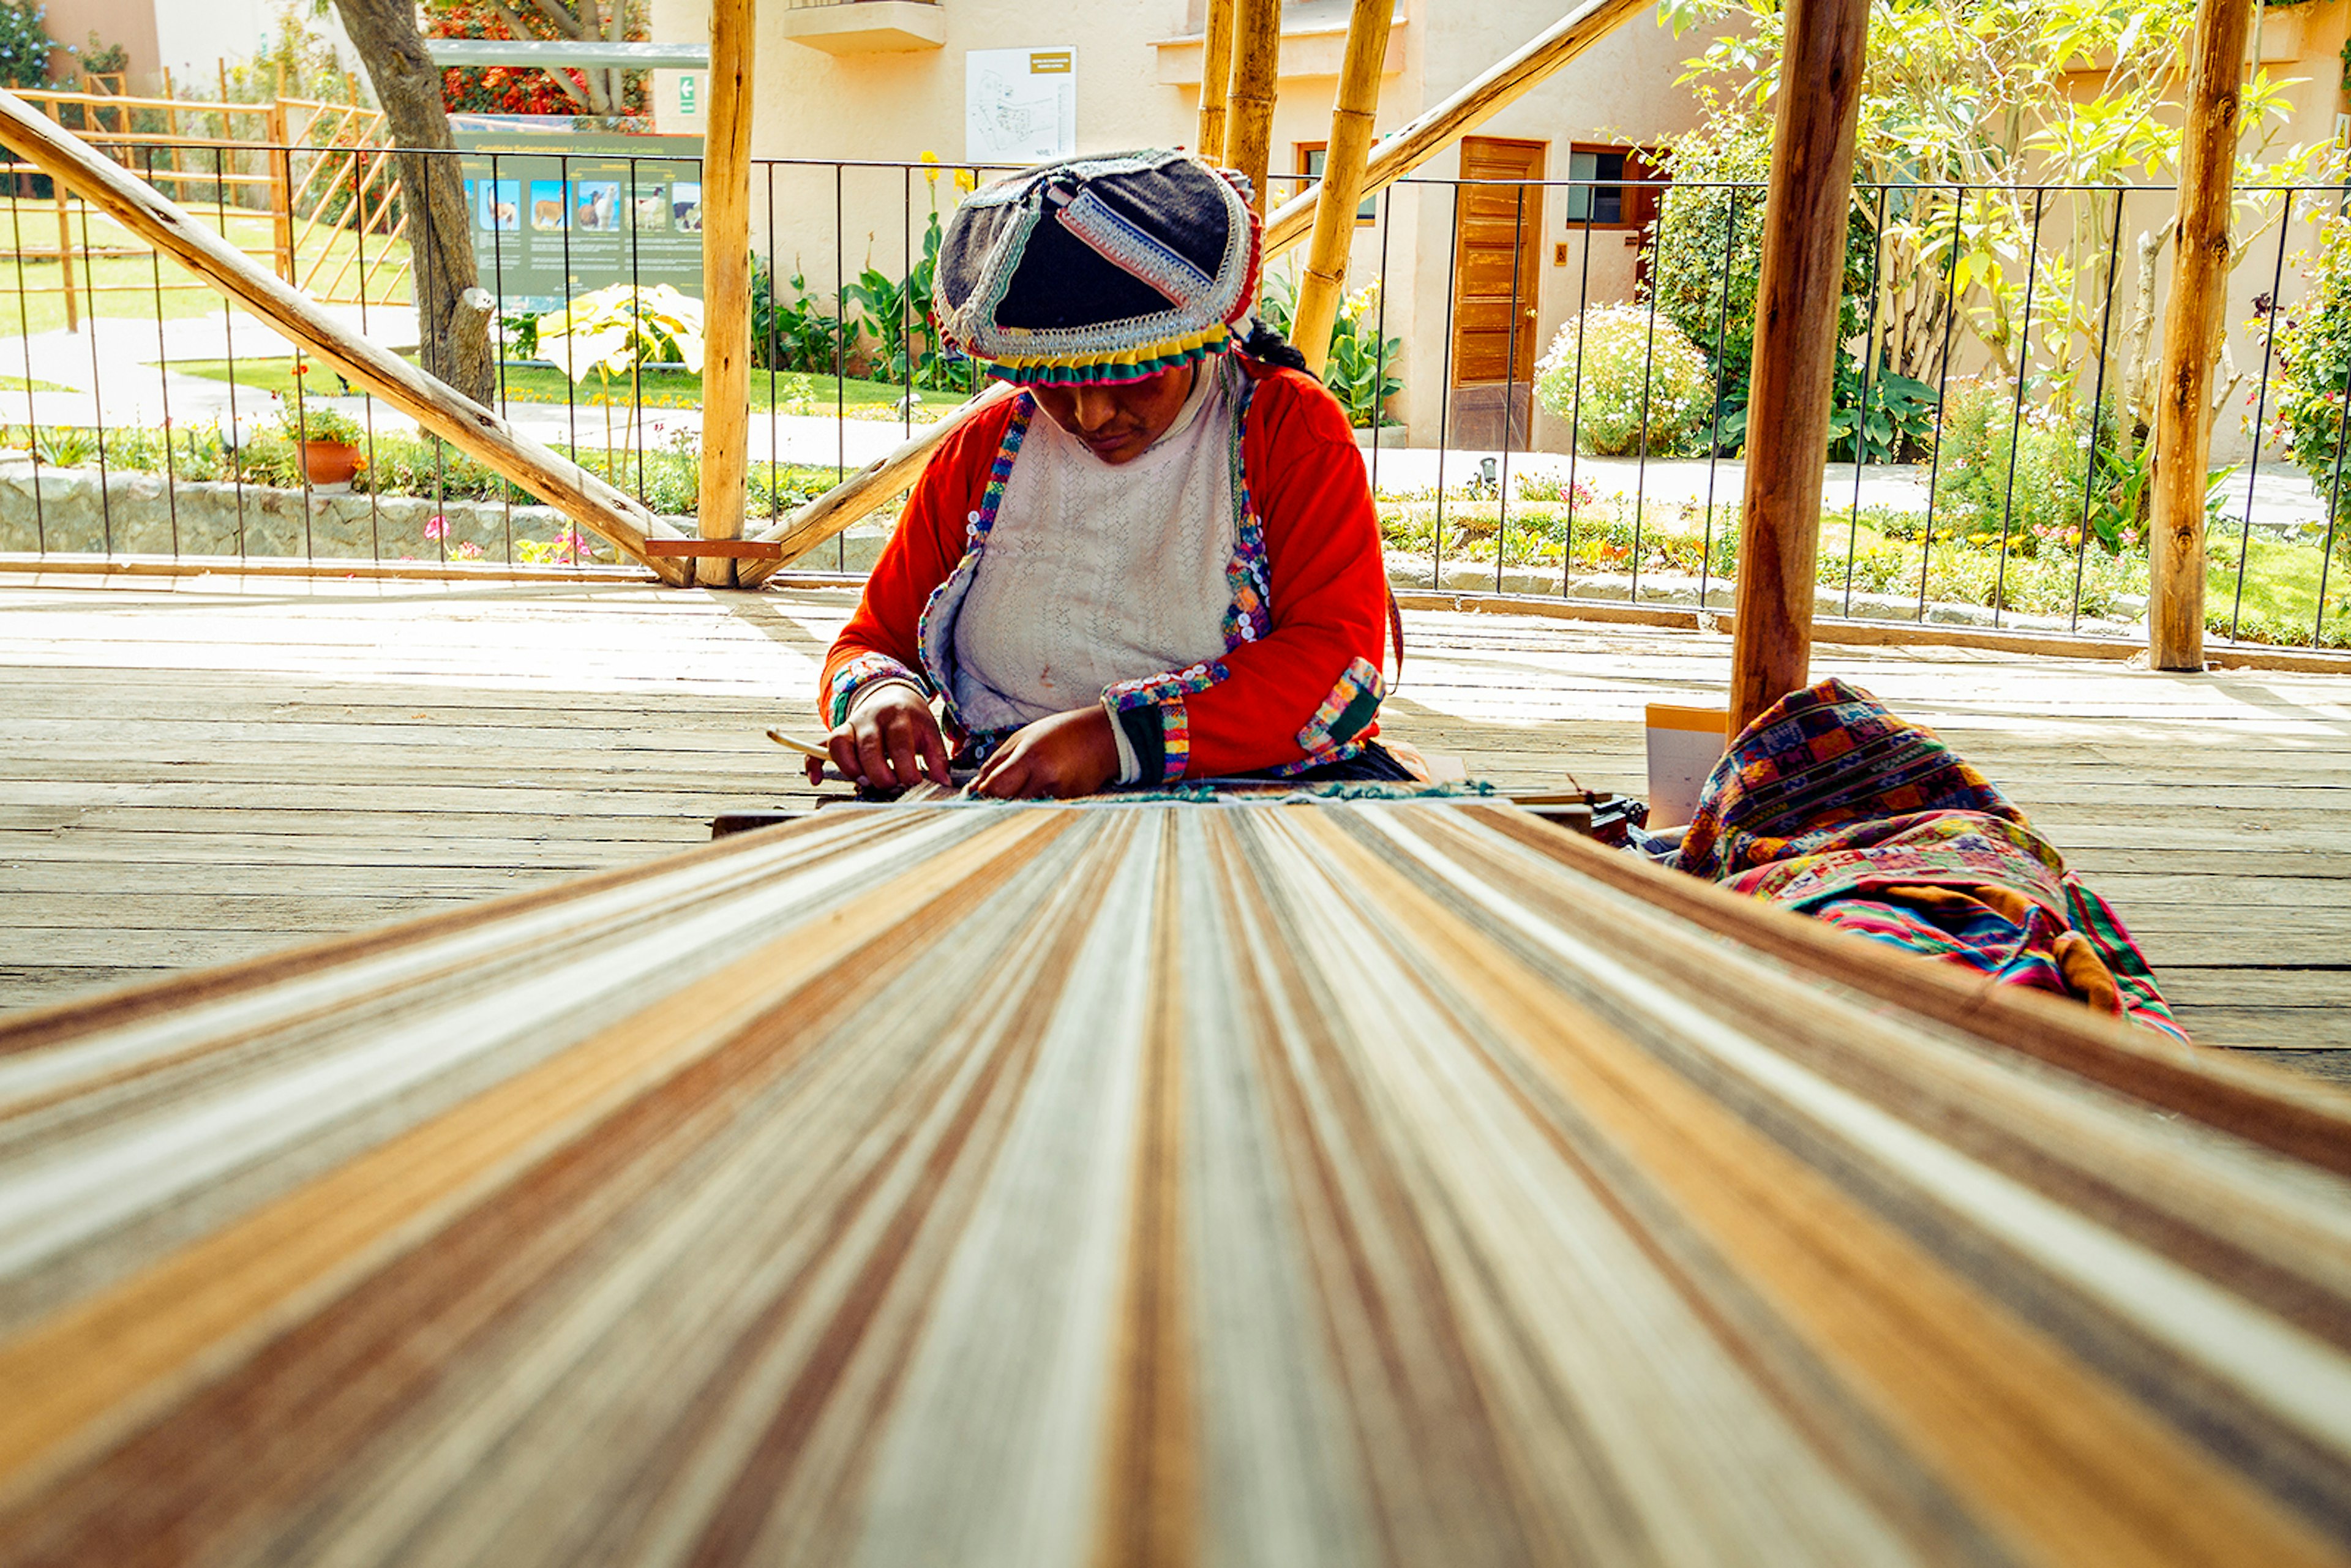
[1256, 70]
[726, 286]
[473, 430]
[1398, 155]
[1796, 350]
[2192, 324]
[281, 188]
[1216, 78]
[65, 256]
[1343, 182]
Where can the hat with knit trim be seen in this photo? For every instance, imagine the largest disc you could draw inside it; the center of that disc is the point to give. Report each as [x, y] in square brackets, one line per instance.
[1103, 268]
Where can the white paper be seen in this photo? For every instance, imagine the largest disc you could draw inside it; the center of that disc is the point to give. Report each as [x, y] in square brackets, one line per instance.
[1021, 106]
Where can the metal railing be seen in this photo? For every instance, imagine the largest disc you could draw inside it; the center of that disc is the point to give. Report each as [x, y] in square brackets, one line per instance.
[1987, 469]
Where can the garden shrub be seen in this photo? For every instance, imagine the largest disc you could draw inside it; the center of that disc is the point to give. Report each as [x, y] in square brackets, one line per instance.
[1359, 369]
[2051, 456]
[24, 44]
[2313, 355]
[1645, 387]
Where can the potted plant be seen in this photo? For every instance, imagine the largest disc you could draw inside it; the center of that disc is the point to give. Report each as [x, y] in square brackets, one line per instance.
[327, 440]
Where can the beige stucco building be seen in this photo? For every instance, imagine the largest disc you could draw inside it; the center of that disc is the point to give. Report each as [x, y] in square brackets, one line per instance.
[893, 79]
[1477, 280]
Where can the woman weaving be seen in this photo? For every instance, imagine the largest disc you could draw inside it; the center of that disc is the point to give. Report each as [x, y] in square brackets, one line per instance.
[1158, 560]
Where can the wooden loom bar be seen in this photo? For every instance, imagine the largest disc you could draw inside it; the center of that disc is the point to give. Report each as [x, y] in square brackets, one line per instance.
[1303, 1184]
[2192, 324]
[1351, 119]
[726, 286]
[1396, 155]
[1796, 348]
[1216, 78]
[473, 429]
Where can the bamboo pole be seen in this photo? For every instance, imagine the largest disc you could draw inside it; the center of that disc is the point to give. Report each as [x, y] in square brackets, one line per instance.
[1795, 349]
[473, 429]
[2192, 324]
[1398, 155]
[1256, 70]
[726, 288]
[1216, 78]
[1342, 180]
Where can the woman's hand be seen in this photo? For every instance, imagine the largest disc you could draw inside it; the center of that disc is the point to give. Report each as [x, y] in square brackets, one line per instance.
[1069, 754]
[890, 739]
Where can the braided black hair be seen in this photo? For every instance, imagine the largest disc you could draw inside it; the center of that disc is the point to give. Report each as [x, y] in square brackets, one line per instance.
[1266, 344]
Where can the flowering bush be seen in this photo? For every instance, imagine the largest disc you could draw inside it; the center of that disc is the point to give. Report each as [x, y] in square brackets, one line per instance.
[2314, 371]
[1359, 369]
[2053, 489]
[1645, 387]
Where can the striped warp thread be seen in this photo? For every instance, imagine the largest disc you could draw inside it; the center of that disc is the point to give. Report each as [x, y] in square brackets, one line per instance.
[1290, 1184]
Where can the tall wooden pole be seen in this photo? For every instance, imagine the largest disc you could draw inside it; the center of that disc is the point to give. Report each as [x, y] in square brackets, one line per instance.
[2192, 324]
[725, 286]
[1216, 78]
[1256, 71]
[1796, 350]
[1342, 180]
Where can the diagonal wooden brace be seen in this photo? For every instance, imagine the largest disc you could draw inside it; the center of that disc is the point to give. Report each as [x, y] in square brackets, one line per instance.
[473, 430]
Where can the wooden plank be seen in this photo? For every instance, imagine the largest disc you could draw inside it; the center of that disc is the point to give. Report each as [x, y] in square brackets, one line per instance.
[477, 432]
[1796, 348]
[2192, 326]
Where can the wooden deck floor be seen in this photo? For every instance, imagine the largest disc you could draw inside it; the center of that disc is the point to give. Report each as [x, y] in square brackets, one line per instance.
[194, 771]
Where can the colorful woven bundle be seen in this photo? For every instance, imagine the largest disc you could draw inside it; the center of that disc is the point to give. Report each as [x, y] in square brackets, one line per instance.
[1290, 1184]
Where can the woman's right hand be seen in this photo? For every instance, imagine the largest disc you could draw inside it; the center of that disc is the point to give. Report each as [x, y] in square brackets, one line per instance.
[890, 739]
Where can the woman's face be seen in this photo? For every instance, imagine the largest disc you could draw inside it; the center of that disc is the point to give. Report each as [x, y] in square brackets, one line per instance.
[1118, 424]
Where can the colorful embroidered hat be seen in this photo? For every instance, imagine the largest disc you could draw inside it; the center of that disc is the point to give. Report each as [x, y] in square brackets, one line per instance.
[1105, 268]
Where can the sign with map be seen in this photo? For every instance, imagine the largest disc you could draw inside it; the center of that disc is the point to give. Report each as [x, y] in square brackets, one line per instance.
[1021, 106]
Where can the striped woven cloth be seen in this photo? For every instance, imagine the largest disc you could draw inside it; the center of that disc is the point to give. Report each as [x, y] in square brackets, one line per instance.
[1830, 805]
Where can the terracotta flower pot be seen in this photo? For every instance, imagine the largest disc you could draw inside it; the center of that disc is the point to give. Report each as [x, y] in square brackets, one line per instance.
[330, 462]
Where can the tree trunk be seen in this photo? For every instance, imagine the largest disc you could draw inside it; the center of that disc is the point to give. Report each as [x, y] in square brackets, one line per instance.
[453, 311]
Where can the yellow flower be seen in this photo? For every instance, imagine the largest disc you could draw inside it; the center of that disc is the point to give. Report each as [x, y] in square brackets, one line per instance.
[931, 174]
[966, 180]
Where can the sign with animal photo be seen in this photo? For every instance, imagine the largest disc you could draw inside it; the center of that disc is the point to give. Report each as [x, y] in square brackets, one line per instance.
[554, 218]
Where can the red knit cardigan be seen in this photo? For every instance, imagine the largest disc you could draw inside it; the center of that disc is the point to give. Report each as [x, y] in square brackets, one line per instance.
[1300, 683]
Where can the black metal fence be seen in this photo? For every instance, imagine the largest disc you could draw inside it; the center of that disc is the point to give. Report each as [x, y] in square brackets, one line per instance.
[1988, 464]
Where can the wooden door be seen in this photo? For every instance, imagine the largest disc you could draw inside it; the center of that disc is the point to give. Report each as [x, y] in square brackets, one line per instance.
[1496, 263]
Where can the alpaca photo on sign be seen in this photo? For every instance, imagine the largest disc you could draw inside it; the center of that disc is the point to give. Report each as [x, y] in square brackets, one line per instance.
[596, 207]
[546, 204]
[498, 204]
[685, 207]
[649, 213]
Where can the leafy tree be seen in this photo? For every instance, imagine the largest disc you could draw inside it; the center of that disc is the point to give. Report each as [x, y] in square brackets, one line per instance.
[452, 310]
[1996, 98]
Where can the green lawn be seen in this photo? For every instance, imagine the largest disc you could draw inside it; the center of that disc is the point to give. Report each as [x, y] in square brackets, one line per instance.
[793, 391]
[123, 288]
[19, 384]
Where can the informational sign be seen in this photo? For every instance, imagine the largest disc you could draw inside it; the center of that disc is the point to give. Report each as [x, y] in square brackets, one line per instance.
[555, 217]
[1021, 106]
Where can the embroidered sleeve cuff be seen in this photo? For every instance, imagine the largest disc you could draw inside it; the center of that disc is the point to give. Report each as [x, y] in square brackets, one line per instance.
[1151, 721]
[854, 677]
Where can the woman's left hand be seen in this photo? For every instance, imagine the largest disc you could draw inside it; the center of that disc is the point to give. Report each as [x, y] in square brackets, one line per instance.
[1069, 754]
